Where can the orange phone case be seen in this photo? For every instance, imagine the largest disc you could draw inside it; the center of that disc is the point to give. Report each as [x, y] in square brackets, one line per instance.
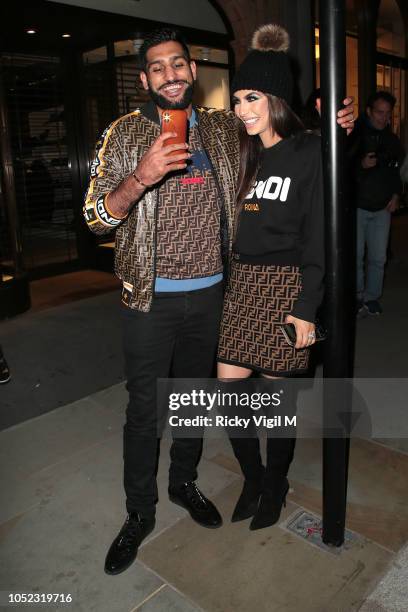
[174, 121]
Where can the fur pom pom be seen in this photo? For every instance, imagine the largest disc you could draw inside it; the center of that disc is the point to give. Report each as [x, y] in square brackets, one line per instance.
[270, 37]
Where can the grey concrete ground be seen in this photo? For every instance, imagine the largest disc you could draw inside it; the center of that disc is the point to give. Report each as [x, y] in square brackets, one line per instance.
[63, 503]
[62, 499]
[59, 355]
[391, 592]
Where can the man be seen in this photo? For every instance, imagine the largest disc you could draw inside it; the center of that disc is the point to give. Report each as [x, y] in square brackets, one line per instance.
[377, 154]
[173, 239]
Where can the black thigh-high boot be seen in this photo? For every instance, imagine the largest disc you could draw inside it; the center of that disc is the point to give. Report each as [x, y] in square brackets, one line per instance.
[246, 450]
[279, 456]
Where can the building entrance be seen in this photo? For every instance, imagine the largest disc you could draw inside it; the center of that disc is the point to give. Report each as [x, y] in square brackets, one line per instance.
[33, 92]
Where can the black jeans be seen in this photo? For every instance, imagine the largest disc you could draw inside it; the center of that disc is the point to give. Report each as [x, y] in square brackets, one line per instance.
[179, 337]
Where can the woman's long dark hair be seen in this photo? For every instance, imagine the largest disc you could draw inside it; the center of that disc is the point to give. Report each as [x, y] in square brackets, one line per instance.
[284, 122]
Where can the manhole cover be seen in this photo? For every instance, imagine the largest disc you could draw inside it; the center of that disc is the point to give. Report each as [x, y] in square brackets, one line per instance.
[309, 527]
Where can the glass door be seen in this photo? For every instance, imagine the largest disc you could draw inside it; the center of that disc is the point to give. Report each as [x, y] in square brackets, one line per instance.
[34, 100]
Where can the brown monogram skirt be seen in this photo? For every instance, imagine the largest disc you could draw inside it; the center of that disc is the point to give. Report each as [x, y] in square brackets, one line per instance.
[257, 301]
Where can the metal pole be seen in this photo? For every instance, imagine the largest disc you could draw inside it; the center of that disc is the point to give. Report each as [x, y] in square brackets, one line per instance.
[339, 273]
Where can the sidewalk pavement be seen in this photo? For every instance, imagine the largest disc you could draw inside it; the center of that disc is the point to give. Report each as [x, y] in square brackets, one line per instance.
[63, 504]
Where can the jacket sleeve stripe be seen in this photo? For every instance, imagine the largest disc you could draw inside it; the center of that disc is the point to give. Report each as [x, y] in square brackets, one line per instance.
[95, 209]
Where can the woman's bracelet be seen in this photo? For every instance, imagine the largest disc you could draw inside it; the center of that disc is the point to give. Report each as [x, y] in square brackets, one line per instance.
[137, 179]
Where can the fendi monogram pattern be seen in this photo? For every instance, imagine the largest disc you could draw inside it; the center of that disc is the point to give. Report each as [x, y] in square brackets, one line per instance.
[257, 301]
[118, 152]
[188, 228]
[219, 135]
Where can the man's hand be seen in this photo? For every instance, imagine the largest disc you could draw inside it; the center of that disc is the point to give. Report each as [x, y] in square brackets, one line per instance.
[345, 116]
[159, 160]
[393, 204]
[369, 161]
[305, 332]
[152, 167]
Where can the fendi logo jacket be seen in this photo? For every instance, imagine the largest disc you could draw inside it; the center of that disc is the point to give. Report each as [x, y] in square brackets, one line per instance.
[120, 147]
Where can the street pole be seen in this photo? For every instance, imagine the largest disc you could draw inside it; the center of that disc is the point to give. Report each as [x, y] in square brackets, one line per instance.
[337, 361]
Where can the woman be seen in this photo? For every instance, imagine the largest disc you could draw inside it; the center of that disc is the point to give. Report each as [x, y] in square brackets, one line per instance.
[278, 260]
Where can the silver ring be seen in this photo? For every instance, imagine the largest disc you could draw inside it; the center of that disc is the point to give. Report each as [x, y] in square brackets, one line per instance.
[311, 335]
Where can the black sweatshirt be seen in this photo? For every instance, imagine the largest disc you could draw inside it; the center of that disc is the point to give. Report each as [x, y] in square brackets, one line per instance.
[282, 218]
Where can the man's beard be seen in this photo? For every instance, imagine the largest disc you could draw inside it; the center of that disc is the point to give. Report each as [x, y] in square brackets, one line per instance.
[166, 104]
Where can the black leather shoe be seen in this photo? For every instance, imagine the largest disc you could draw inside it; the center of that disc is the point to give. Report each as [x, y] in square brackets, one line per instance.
[247, 503]
[124, 547]
[201, 509]
[270, 506]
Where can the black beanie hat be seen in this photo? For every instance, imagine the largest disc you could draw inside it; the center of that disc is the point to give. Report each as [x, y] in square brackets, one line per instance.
[267, 67]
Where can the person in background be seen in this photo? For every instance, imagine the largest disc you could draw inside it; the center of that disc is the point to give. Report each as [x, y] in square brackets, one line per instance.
[376, 154]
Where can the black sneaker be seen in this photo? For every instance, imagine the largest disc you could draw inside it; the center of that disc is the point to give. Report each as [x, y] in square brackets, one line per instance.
[4, 371]
[201, 509]
[124, 547]
[373, 307]
[361, 309]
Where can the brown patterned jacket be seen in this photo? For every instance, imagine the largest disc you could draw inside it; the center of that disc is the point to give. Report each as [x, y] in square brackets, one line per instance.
[117, 153]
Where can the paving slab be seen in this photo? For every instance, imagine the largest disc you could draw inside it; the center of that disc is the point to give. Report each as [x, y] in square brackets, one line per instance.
[234, 569]
[167, 599]
[33, 445]
[33, 481]
[391, 593]
[28, 449]
[377, 505]
[59, 546]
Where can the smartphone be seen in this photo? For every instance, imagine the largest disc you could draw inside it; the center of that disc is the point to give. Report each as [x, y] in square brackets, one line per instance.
[289, 331]
[174, 121]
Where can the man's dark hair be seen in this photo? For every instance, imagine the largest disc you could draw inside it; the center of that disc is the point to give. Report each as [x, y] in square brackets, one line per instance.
[161, 35]
[381, 95]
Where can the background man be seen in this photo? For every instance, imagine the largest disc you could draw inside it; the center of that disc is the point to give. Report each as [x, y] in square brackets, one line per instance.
[377, 154]
[173, 238]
